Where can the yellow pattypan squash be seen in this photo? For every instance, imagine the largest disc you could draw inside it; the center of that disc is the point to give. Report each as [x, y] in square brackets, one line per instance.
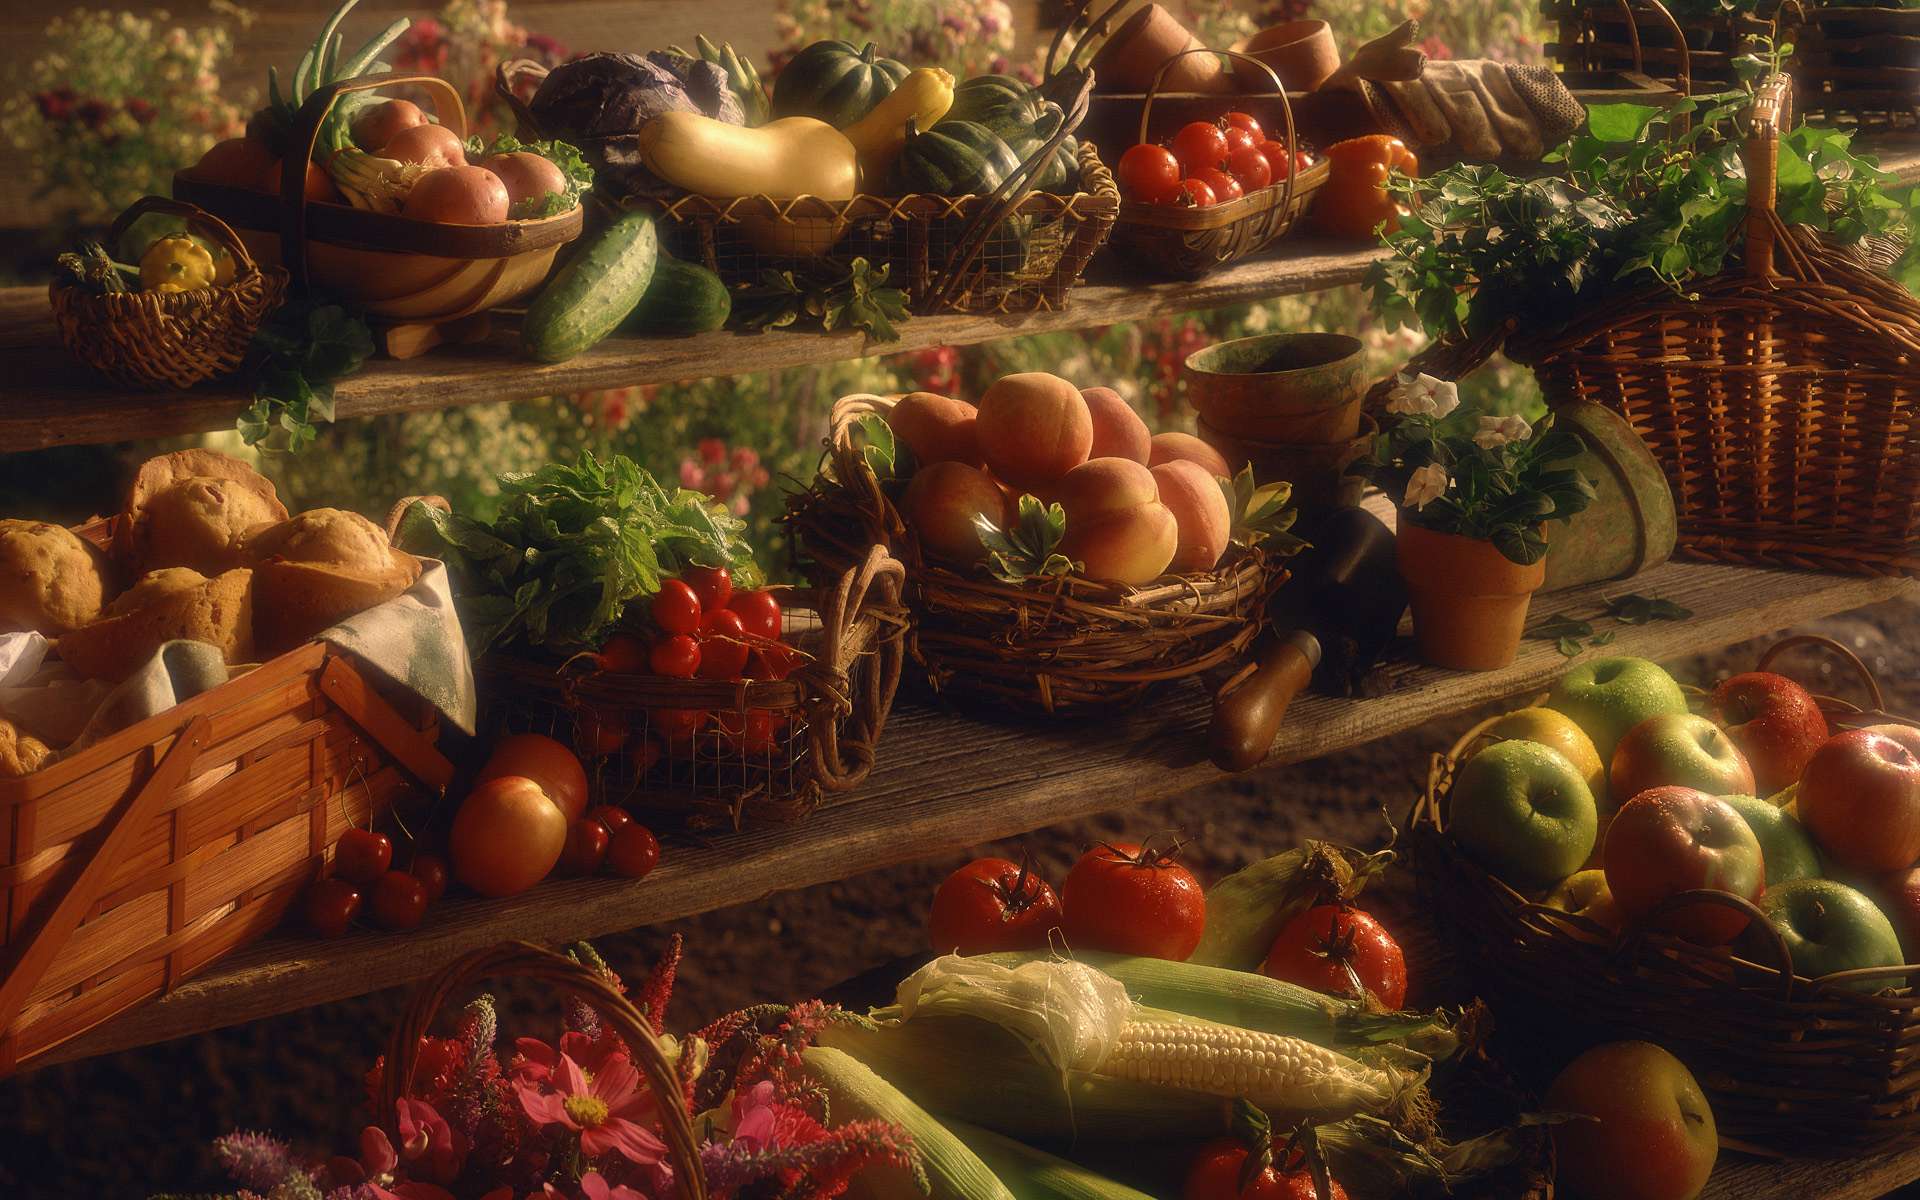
[177, 263]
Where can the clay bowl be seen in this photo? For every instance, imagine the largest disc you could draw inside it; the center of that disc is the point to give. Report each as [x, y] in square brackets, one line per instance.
[1301, 53]
[1143, 43]
[1282, 388]
[1317, 472]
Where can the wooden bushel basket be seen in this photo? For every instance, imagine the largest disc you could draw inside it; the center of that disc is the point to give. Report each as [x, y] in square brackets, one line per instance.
[1791, 1065]
[1859, 64]
[424, 281]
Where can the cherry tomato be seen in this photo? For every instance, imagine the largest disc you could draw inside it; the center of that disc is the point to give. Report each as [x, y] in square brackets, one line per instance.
[1149, 174]
[612, 817]
[723, 645]
[586, 847]
[713, 585]
[1240, 139]
[1279, 159]
[431, 871]
[772, 662]
[675, 607]
[555, 767]
[989, 905]
[1195, 193]
[624, 654]
[399, 901]
[1249, 167]
[1316, 947]
[634, 851]
[677, 725]
[676, 655]
[599, 733]
[752, 731]
[1198, 145]
[329, 906]
[1248, 122]
[759, 611]
[362, 856]
[1132, 900]
[1217, 1170]
[1225, 187]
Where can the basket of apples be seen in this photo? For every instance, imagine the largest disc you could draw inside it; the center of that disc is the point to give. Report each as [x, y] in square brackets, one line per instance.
[1221, 190]
[1058, 557]
[1729, 874]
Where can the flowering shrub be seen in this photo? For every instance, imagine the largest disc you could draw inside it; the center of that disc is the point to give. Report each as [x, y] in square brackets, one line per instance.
[463, 44]
[968, 37]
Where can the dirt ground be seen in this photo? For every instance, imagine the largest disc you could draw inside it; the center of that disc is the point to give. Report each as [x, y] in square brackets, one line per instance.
[139, 1122]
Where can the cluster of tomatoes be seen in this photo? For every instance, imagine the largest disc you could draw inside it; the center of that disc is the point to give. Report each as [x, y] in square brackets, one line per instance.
[1208, 163]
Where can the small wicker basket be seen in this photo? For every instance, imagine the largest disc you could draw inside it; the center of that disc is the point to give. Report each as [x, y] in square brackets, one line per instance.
[165, 340]
[1062, 645]
[1859, 65]
[1187, 243]
[1790, 1064]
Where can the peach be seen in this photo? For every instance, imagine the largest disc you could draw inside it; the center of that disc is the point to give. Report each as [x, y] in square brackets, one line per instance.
[1132, 546]
[1168, 447]
[941, 504]
[1034, 428]
[1103, 485]
[1118, 431]
[936, 428]
[1200, 508]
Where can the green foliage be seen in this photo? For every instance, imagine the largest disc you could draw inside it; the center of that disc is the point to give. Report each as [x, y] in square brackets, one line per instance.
[298, 355]
[578, 173]
[1262, 515]
[855, 299]
[1572, 635]
[1030, 547]
[887, 458]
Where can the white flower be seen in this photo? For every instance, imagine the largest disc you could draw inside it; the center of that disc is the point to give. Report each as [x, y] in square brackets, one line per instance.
[1426, 485]
[1423, 396]
[1498, 431]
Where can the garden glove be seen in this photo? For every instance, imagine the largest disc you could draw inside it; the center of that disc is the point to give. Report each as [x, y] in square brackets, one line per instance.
[1480, 110]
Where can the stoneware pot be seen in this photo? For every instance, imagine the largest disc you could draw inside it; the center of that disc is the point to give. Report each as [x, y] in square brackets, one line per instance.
[1280, 388]
[1630, 525]
[1147, 39]
[1469, 600]
[1317, 472]
[1302, 53]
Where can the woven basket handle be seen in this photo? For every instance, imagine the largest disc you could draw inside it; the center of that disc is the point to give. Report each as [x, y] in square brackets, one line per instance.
[1769, 117]
[1868, 683]
[883, 525]
[1279, 89]
[845, 762]
[505, 78]
[561, 974]
[1683, 78]
[198, 219]
[1757, 920]
[306, 135]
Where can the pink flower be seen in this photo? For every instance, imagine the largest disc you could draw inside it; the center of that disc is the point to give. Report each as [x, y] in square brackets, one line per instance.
[427, 1141]
[600, 1107]
[534, 1060]
[745, 459]
[691, 476]
[753, 1117]
[593, 1187]
[713, 451]
[376, 1152]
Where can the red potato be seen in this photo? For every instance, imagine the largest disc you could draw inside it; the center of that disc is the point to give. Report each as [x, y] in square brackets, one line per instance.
[236, 162]
[527, 176]
[432, 146]
[457, 196]
[379, 124]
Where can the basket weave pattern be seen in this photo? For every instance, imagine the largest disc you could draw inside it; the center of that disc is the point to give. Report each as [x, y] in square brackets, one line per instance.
[1860, 64]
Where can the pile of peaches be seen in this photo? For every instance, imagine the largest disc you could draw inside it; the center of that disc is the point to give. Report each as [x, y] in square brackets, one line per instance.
[1137, 506]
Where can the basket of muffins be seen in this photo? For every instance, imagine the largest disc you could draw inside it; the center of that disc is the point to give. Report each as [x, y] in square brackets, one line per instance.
[198, 695]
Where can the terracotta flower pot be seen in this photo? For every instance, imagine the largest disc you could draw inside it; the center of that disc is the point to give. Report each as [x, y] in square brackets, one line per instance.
[1469, 600]
[1296, 388]
[1302, 53]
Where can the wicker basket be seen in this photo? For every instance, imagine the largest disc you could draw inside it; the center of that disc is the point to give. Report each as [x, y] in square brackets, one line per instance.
[1604, 37]
[1789, 1064]
[768, 750]
[1859, 65]
[952, 254]
[169, 339]
[1187, 242]
[1063, 645]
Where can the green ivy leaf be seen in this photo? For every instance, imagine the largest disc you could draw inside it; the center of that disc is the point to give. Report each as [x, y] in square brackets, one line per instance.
[1028, 548]
[882, 452]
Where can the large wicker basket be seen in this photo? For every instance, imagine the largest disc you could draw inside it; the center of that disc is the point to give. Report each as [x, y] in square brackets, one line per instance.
[1859, 64]
[1061, 645]
[1790, 1064]
[1601, 37]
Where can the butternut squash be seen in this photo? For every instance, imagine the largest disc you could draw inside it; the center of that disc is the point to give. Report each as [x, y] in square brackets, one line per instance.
[794, 156]
[922, 98]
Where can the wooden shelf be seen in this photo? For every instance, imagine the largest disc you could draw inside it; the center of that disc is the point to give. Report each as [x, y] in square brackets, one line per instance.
[1862, 1177]
[946, 782]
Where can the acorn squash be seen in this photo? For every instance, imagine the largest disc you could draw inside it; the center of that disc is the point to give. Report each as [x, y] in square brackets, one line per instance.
[835, 82]
[954, 158]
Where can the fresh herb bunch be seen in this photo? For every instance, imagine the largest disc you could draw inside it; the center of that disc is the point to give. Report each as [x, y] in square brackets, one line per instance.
[1493, 479]
[297, 356]
[572, 546]
[1633, 201]
[855, 298]
[578, 172]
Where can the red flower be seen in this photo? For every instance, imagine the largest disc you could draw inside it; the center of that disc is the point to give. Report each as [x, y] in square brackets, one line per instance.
[427, 1142]
[56, 105]
[713, 451]
[140, 110]
[601, 1108]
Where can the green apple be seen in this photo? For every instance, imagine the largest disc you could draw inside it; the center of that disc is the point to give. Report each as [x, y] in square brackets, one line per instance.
[1523, 812]
[1651, 1135]
[1829, 927]
[1786, 849]
[1608, 696]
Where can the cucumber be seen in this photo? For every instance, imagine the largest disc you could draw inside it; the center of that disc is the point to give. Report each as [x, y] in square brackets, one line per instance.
[684, 297]
[589, 296]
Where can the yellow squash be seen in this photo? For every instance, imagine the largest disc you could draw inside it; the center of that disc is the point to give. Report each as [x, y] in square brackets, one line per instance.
[794, 156]
[177, 263]
[923, 97]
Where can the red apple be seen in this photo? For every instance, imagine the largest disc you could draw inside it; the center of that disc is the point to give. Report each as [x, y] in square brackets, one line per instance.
[1652, 1136]
[1898, 895]
[1678, 750]
[1669, 840]
[1860, 798]
[1774, 721]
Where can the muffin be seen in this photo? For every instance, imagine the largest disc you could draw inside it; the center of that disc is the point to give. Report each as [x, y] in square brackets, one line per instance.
[316, 569]
[163, 606]
[196, 509]
[51, 579]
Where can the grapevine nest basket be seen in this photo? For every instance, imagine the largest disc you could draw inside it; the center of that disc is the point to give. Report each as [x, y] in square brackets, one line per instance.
[1789, 1063]
[1779, 397]
[161, 340]
[719, 753]
[1058, 645]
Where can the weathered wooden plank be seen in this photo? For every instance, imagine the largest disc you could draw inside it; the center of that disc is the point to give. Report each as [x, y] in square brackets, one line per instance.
[945, 782]
[1866, 1177]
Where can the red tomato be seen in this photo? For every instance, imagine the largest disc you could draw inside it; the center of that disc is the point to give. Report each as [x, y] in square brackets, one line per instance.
[713, 585]
[723, 645]
[586, 846]
[1225, 187]
[431, 871]
[1247, 121]
[362, 856]
[1149, 174]
[599, 733]
[676, 656]
[676, 725]
[991, 904]
[399, 901]
[506, 836]
[759, 611]
[1195, 194]
[752, 731]
[1198, 145]
[634, 852]
[1216, 1171]
[624, 654]
[329, 906]
[612, 817]
[1241, 139]
[548, 763]
[772, 662]
[675, 608]
[1316, 947]
[1249, 167]
[1131, 900]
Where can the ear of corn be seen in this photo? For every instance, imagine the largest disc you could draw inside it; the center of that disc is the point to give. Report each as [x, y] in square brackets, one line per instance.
[1280, 1074]
[854, 1092]
[1246, 909]
[1032, 1174]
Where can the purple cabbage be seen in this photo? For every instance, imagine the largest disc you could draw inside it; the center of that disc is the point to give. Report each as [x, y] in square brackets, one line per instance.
[600, 102]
